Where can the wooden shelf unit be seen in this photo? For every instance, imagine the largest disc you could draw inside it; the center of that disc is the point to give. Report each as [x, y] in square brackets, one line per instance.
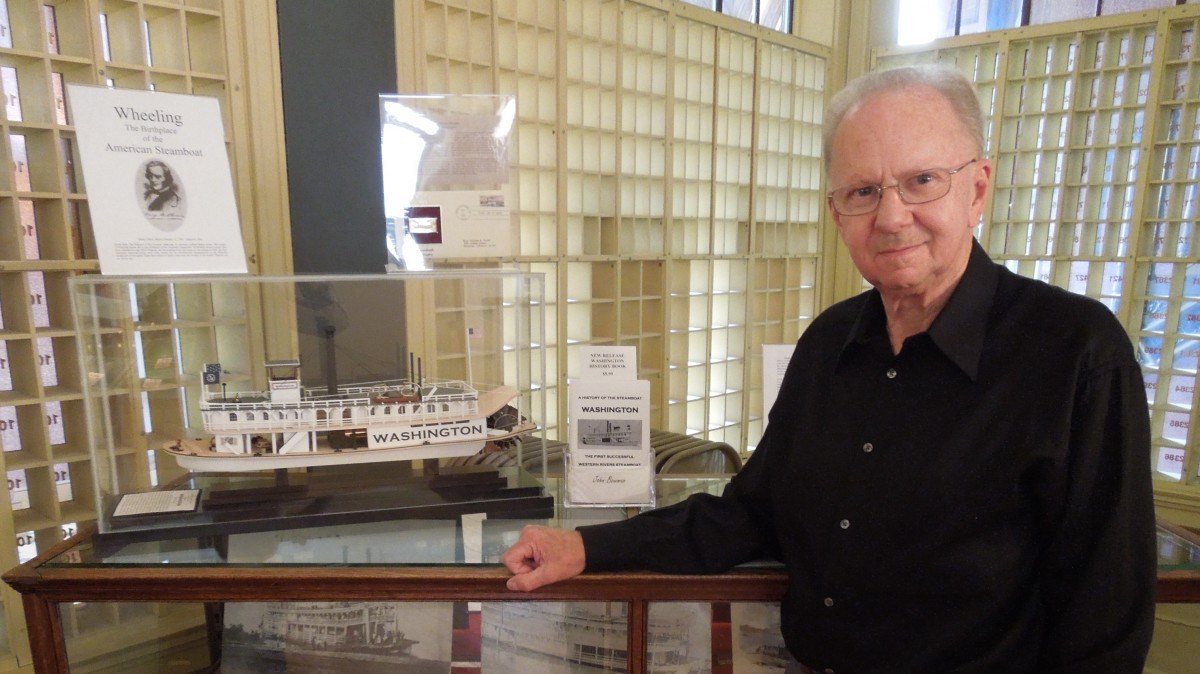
[670, 183]
[1094, 133]
[182, 46]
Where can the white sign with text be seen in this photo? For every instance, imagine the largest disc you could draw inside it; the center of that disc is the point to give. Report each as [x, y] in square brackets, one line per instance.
[609, 362]
[775, 362]
[609, 457]
[158, 182]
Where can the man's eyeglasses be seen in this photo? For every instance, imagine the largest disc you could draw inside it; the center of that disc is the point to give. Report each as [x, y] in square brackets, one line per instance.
[921, 187]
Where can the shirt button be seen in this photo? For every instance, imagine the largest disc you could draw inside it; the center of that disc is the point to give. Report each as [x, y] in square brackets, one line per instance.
[891, 373]
[868, 447]
[845, 524]
[829, 601]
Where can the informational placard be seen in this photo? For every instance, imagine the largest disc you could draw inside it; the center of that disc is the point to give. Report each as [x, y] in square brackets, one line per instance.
[156, 502]
[446, 186]
[609, 362]
[774, 362]
[609, 457]
[158, 182]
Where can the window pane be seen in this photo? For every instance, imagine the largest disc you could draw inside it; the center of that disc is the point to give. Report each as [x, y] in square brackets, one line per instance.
[1049, 11]
[740, 9]
[979, 16]
[1119, 6]
[923, 21]
[773, 14]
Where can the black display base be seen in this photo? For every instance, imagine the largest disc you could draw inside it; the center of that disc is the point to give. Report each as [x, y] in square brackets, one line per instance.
[333, 495]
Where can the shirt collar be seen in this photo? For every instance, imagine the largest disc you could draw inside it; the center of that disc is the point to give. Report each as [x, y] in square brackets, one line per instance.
[958, 331]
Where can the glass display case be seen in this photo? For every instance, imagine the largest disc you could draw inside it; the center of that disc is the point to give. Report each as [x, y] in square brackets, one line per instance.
[432, 588]
[342, 398]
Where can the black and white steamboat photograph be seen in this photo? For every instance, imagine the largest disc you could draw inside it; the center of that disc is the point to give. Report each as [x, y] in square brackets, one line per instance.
[333, 637]
[609, 433]
[592, 638]
[757, 639]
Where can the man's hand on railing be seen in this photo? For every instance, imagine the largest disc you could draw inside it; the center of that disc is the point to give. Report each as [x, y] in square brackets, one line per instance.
[543, 555]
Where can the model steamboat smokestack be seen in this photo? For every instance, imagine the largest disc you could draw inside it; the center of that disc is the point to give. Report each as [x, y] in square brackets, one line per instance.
[331, 383]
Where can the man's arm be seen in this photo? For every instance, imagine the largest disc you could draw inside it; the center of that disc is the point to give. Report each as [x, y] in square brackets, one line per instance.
[703, 534]
[1100, 569]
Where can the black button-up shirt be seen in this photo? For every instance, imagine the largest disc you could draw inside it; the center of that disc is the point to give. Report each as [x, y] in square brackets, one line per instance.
[979, 502]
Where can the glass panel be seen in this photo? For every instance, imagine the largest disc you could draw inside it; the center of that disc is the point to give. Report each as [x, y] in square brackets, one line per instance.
[12, 94]
[922, 21]
[1121, 6]
[740, 9]
[5, 26]
[978, 16]
[1049, 11]
[774, 14]
[145, 637]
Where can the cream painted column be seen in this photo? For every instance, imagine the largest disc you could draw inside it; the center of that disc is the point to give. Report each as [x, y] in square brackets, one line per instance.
[256, 112]
[410, 47]
[260, 165]
[846, 27]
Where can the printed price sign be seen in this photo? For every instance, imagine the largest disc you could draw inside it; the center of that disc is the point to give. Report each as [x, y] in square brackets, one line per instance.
[609, 362]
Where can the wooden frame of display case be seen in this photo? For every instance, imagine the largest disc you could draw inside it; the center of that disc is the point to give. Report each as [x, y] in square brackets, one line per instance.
[43, 588]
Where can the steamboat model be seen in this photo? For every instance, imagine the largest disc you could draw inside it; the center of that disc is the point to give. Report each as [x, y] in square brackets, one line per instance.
[291, 426]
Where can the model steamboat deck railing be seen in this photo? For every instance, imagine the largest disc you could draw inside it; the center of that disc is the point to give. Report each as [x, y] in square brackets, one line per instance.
[354, 407]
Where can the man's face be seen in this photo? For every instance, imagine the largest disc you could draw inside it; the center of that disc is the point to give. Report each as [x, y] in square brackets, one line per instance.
[157, 177]
[900, 248]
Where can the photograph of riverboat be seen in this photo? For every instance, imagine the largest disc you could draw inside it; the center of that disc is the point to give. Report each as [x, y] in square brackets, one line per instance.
[757, 639]
[606, 433]
[409, 541]
[335, 637]
[591, 638]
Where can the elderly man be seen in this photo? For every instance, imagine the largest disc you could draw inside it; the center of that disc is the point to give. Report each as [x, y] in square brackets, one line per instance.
[956, 470]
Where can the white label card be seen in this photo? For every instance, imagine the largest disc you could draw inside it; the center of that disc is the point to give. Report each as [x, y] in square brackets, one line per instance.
[609, 457]
[609, 362]
[155, 502]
